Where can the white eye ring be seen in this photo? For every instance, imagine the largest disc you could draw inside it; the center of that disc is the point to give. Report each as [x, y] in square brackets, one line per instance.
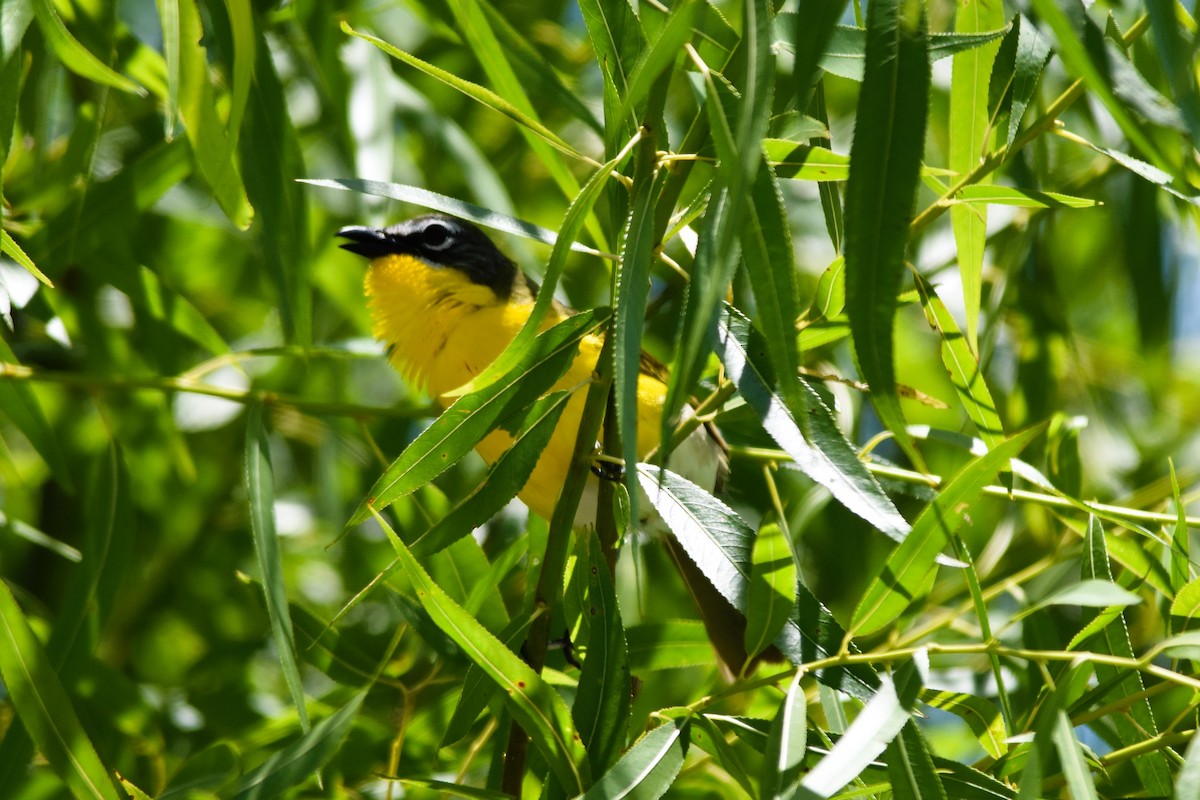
[432, 231]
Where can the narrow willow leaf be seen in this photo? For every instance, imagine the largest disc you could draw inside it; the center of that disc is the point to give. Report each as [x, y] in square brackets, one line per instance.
[20, 405]
[1138, 167]
[767, 255]
[211, 143]
[1080, 783]
[271, 156]
[448, 789]
[476, 92]
[970, 136]
[674, 644]
[42, 705]
[9, 247]
[772, 591]
[792, 126]
[474, 416]
[604, 695]
[806, 162]
[1032, 55]
[812, 26]
[1187, 781]
[629, 314]
[885, 163]
[14, 22]
[34, 536]
[478, 688]
[648, 768]
[910, 767]
[132, 790]
[709, 737]
[875, 726]
[535, 704]
[1185, 608]
[786, 745]
[504, 479]
[260, 492]
[168, 17]
[1137, 724]
[74, 55]
[663, 49]
[1025, 198]
[911, 565]
[960, 361]
[1181, 565]
[295, 763]
[241, 28]
[965, 783]
[1093, 593]
[981, 716]
[827, 457]
[846, 53]
[718, 542]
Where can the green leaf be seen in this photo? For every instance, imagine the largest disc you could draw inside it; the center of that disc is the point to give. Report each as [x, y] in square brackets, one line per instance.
[718, 542]
[9, 246]
[1185, 608]
[885, 163]
[168, 16]
[772, 590]
[806, 162]
[846, 54]
[911, 564]
[970, 137]
[478, 688]
[603, 698]
[767, 255]
[212, 145]
[813, 25]
[1080, 783]
[504, 479]
[786, 744]
[824, 455]
[981, 716]
[1137, 723]
[674, 644]
[880, 720]
[474, 416]
[629, 313]
[960, 361]
[532, 702]
[664, 49]
[1187, 780]
[271, 157]
[260, 491]
[211, 769]
[910, 767]
[74, 55]
[44, 709]
[648, 768]
[293, 764]
[1025, 198]
[1181, 565]
[1093, 593]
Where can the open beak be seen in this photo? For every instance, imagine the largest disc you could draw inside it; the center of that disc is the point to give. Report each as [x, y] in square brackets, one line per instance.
[368, 242]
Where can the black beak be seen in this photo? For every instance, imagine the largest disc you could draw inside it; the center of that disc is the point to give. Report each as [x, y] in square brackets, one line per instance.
[368, 242]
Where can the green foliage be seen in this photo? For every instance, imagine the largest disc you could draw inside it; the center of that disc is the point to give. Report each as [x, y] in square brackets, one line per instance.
[962, 445]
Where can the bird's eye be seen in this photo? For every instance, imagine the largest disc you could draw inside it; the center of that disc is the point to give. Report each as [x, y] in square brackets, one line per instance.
[436, 236]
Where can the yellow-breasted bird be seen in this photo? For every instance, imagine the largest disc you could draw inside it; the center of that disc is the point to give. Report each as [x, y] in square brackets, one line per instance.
[446, 302]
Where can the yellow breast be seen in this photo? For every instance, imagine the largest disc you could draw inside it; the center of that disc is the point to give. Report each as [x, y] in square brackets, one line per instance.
[442, 330]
